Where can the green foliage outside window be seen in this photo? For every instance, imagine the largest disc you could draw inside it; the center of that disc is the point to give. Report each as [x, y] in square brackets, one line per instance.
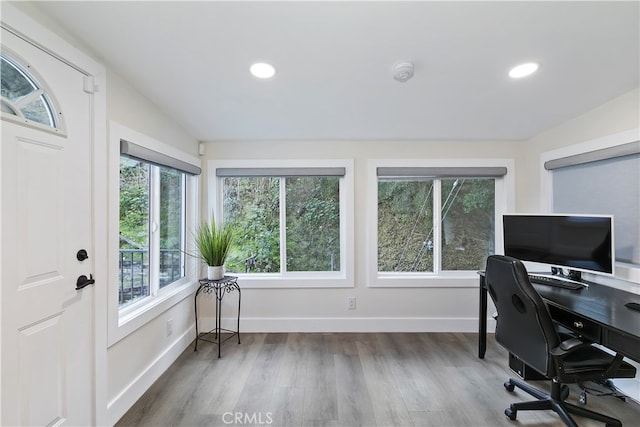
[171, 225]
[134, 227]
[406, 239]
[312, 219]
[134, 204]
[405, 225]
[313, 224]
[468, 223]
[252, 206]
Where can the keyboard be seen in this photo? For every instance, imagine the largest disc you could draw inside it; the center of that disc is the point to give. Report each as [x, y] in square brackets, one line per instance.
[554, 281]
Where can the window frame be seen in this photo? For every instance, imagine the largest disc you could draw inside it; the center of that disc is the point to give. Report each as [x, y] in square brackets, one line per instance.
[122, 321]
[154, 229]
[313, 279]
[504, 202]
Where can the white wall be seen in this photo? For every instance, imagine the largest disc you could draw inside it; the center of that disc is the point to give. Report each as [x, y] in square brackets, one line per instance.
[128, 107]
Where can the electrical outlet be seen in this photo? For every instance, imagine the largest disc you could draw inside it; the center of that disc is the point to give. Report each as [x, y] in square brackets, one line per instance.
[351, 303]
[169, 327]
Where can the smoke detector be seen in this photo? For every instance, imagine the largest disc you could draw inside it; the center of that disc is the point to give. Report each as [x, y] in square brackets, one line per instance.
[403, 71]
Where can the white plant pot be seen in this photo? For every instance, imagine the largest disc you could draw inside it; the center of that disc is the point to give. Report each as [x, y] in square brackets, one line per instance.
[215, 272]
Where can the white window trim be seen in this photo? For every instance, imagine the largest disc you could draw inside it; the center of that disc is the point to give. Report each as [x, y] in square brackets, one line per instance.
[622, 271]
[341, 279]
[123, 321]
[504, 191]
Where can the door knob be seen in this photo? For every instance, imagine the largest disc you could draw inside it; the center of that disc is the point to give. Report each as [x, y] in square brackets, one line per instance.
[83, 281]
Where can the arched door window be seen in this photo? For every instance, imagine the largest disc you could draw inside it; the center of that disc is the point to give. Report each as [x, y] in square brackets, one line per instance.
[24, 98]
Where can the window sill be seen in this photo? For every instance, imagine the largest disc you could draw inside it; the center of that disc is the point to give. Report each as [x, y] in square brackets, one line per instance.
[132, 318]
[294, 281]
[451, 279]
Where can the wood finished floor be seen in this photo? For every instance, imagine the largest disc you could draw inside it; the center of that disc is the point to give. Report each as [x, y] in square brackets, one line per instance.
[347, 379]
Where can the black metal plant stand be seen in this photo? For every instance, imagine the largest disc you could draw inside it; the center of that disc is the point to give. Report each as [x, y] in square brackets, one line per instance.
[219, 287]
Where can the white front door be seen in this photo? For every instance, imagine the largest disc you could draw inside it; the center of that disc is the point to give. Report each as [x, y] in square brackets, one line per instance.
[48, 352]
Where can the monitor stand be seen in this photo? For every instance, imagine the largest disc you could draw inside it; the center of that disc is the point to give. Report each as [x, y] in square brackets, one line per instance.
[572, 274]
[575, 275]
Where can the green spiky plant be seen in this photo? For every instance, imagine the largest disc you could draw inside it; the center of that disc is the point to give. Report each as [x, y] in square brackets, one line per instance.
[213, 242]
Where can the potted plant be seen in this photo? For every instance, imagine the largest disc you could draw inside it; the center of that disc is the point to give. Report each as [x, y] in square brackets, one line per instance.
[212, 243]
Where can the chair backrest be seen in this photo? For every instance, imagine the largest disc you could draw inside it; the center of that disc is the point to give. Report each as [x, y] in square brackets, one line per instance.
[523, 326]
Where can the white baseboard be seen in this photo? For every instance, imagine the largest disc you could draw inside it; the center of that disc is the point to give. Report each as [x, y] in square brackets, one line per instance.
[348, 324]
[119, 405]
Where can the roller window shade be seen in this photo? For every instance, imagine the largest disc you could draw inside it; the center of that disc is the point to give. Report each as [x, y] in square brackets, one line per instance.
[134, 151]
[609, 186]
[279, 172]
[443, 172]
[630, 148]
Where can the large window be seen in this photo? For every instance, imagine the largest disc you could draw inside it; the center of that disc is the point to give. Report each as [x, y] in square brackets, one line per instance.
[433, 222]
[288, 222]
[153, 197]
[152, 228]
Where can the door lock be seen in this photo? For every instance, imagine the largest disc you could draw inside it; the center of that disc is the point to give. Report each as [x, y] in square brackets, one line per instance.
[82, 255]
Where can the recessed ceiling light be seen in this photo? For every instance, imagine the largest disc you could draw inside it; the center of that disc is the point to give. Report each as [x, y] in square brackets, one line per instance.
[262, 70]
[523, 70]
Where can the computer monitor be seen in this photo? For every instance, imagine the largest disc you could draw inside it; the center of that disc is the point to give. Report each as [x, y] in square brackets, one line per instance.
[576, 242]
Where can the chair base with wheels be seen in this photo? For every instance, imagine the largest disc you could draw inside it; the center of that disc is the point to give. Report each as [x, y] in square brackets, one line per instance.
[555, 401]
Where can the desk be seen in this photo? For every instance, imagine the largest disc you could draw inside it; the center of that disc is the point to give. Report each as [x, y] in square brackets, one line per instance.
[597, 313]
[219, 288]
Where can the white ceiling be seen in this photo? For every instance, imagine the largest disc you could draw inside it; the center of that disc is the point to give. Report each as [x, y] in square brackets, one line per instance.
[334, 64]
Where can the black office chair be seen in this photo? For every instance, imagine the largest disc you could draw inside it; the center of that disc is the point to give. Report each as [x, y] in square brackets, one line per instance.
[525, 328]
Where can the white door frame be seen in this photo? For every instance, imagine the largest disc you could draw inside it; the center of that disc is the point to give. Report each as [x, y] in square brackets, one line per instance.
[27, 28]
